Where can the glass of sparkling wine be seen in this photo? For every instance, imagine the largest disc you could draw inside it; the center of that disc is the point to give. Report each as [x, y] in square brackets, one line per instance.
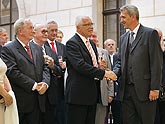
[60, 58]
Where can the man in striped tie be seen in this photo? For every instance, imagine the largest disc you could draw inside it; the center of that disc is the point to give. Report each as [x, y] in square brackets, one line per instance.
[83, 70]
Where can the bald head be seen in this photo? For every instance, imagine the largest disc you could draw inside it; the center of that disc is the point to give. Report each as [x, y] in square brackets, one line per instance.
[110, 45]
[41, 34]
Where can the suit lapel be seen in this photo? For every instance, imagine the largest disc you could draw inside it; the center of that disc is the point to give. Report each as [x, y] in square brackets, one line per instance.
[125, 44]
[137, 39]
[22, 51]
[94, 49]
[34, 52]
[82, 43]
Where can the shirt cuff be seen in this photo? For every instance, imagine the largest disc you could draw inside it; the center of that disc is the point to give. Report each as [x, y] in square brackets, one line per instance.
[34, 86]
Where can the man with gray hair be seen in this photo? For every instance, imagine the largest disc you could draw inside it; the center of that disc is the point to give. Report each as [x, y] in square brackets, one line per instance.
[3, 36]
[27, 72]
[58, 102]
[83, 70]
[140, 68]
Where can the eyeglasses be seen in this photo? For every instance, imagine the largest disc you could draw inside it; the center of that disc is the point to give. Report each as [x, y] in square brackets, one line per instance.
[44, 31]
[89, 24]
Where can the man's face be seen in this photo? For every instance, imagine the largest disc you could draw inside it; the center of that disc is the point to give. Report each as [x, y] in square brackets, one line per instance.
[41, 34]
[52, 31]
[3, 37]
[59, 37]
[126, 19]
[27, 31]
[93, 37]
[86, 27]
[111, 46]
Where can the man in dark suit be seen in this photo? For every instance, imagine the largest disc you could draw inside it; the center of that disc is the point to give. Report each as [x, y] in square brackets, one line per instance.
[40, 37]
[140, 66]
[83, 70]
[27, 72]
[59, 50]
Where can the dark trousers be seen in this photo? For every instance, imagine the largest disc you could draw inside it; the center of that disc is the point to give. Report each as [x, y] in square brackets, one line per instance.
[160, 113]
[135, 111]
[30, 118]
[81, 114]
[49, 117]
[61, 112]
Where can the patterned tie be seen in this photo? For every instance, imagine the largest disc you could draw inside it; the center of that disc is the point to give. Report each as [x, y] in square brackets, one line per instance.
[131, 37]
[53, 47]
[29, 51]
[90, 49]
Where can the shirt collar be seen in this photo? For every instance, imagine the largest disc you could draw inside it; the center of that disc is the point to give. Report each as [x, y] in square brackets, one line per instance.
[82, 38]
[22, 42]
[136, 29]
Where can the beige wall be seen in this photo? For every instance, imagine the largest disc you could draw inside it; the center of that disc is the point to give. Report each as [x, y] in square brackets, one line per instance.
[62, 11]
[152, 13]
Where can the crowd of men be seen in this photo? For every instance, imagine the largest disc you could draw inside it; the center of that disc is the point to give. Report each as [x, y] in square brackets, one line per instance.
[99, 81]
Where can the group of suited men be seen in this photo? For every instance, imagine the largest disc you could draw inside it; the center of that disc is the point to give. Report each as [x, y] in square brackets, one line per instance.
[36, 73]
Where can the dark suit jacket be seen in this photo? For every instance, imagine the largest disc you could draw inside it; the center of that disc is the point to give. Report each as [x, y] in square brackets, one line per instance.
[60, 81]
[118, 82]
[23, 72]
[81, 87]
[53, 91]
[146, 62]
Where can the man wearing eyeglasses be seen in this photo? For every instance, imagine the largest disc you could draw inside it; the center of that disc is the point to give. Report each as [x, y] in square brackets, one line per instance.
[83, 70]
[40, 37]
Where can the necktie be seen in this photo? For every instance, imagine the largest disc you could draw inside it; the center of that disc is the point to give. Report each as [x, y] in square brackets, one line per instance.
[53, 47]
[90, 49]
[131, 38]
[43, 50]
[29, 51]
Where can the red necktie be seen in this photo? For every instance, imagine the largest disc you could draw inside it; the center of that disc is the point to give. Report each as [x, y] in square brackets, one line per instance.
[29, 51]
[92, 53]
[53, 47]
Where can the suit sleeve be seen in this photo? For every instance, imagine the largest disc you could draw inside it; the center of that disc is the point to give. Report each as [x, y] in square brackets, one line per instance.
[46, 74]
[13, 72]
[117, 66]
[156, 59]
[79, 63]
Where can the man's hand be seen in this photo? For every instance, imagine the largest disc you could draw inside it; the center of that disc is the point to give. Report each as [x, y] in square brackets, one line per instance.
[102, 64]
[50, 61]
[110, 75]
[110, 99]
[62, 64]
[41, 88]
[154, 95]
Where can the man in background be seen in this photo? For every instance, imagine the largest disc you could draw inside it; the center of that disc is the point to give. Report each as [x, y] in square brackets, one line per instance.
[59, 36]
[58, 49]
[27, 72]
[3, 38]
[105, 89]
[40, 37]
[115, 105]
